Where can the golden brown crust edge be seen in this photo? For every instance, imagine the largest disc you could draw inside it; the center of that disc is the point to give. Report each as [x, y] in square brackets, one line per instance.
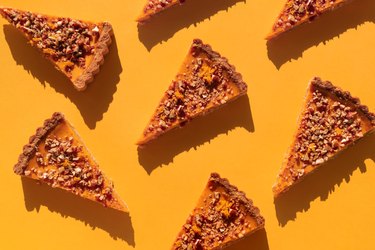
[101, 49]
[233, 191]
[29, 149]
[275, 33]
[344, 96]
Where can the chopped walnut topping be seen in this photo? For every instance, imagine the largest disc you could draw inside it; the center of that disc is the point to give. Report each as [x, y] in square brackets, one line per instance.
[297, 10]
[62, 164]
[61, 39]
[327, 126]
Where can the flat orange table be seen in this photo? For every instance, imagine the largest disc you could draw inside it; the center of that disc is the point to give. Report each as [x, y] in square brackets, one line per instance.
[245, 142]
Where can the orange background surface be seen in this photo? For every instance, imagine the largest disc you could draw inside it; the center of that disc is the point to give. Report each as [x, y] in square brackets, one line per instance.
[244, 142]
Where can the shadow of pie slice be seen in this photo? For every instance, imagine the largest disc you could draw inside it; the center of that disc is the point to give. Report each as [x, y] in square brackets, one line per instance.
[331, 120]
[76, 48]
[57, 156]
[223, 216]
[154, 7]
[297, 12]
[205, 82]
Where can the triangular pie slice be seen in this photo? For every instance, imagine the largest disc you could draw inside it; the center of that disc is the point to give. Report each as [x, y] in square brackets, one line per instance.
[57, 156]
[297, 12]
[153, 7]
[222, 216]
[206, 81]
[331, 121]
[76, 48]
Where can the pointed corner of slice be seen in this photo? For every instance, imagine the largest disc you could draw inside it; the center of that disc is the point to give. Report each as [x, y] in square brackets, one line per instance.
[297, 12]
[57, 156]
[331, 120]
[2, 9]
[205, 82]
[222, 216]
[154, 7]
[75, 47]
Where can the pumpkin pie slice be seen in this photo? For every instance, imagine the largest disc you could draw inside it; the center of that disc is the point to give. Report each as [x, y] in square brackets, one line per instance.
[331, 121]
[297, 12]
[76, 48]
[205, 82]
[154, 7]
[222, 216]
[57, 156]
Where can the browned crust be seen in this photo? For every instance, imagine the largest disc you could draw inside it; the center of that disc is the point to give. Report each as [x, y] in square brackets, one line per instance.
[344, 96]
[29, 149]
[101, 49]
[233, 191]
[223, 61]
[275, 33]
